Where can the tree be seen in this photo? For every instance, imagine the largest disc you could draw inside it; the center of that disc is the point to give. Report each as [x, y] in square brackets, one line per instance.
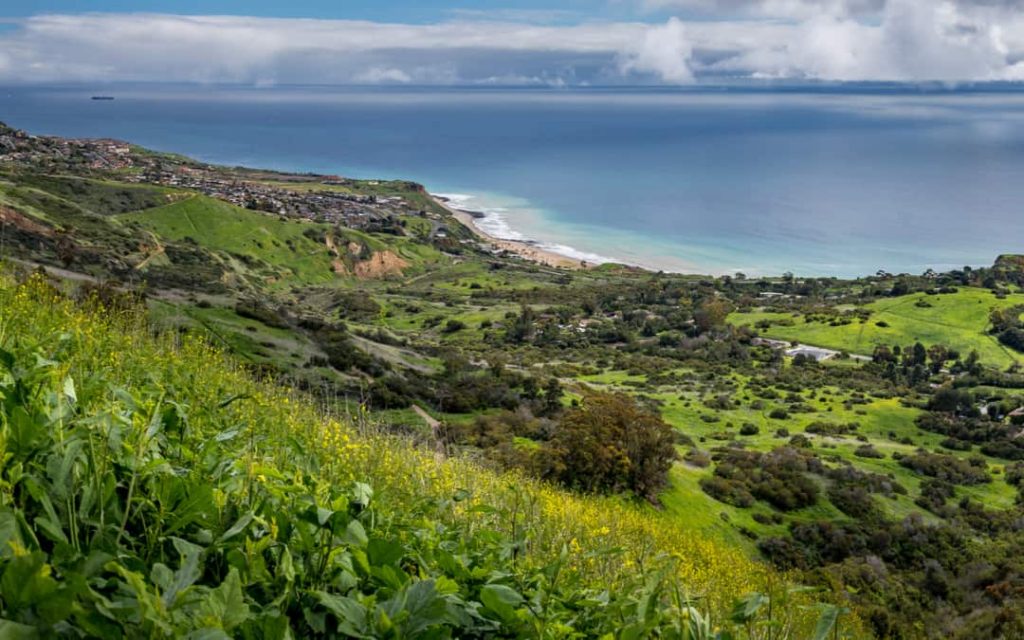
[610, 444]
[918, 354]
[711, 314]
[938, 355]
[522, 327]
[552, 397]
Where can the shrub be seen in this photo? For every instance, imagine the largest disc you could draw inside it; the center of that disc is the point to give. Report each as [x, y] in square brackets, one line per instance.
[778, 477]
[831, 428]
[749, 429]
[948, 468]
[453, 326]
[611, 444]
[868, 451]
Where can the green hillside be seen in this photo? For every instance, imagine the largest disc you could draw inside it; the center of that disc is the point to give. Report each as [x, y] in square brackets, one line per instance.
[552, 453]
[256, 242]
[151, 489]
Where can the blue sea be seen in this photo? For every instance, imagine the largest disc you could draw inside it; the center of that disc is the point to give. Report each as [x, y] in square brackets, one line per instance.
[824, 181]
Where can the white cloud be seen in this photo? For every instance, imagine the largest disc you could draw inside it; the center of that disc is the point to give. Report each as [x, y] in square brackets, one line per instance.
[790, 9]
[379, 75]
[913, 40]
[905, 40]
[663, 51]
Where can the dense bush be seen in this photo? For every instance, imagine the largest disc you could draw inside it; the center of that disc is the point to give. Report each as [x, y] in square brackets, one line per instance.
[749, 429]
[945, 467]
[778, 477]
[868, 451]
[831, 428]
[609, 443]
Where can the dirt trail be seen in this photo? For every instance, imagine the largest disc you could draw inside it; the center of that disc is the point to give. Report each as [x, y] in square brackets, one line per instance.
[435, 429]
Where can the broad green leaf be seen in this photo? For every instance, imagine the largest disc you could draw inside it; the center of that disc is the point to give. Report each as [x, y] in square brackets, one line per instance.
[384, 552]
[188, 570]
[286, 567]
[14, 631]
[69, 390]
[26, 581]
[747, 607]
[828, 619]
[352, 616]
[355, 534]
[50, 529]
[227, 602]
[362, 494]
[238, 527]
[501, 599]
[425, 607]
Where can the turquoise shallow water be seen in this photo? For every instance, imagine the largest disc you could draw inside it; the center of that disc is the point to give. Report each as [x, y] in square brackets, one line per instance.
[833, 181]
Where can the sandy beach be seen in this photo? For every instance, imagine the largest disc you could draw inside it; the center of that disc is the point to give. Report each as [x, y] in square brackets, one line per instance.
[523, 249]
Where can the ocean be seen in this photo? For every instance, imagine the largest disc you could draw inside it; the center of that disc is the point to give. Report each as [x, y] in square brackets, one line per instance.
[823, 181]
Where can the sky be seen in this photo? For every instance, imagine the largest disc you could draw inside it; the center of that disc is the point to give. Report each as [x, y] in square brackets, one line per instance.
[507, 42]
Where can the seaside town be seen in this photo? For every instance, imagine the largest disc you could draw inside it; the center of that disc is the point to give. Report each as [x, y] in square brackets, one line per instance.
[318, 197]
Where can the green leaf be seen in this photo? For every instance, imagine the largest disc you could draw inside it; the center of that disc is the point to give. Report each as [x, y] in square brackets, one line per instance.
[425, 608]
[227, 603]
[14, 631]
[188, 570]
[7, 360]
[26, 581]
[286, 566]
[9, 532]
[323, 515]
[208, 634]
[747, 607]
[355, 534]
[351, 614]
[238, 527]
[362, 493]
[25, 432]
[502, 600]
[384, 552]
[69, 390]
[224, 436]
[50, 529]
[828, 619]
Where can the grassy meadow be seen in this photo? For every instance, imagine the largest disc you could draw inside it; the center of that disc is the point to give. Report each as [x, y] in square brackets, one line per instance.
[958, 320]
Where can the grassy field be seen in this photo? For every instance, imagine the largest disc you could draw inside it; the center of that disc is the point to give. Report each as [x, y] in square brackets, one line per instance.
[276, 249]
[958, 320]
[883, 422]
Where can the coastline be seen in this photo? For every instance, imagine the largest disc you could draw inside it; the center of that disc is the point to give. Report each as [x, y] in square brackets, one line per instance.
[523, 249]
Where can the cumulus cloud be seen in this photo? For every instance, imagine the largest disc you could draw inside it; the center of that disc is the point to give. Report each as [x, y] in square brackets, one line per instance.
[799, 9]
[900, 40]
[910, 41]
[663, 51]
[246, 49]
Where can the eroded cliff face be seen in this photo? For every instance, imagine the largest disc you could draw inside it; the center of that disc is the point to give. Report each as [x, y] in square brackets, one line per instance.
[380, 264]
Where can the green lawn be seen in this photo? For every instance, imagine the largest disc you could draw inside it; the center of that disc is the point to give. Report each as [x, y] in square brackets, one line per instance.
[958, 320]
